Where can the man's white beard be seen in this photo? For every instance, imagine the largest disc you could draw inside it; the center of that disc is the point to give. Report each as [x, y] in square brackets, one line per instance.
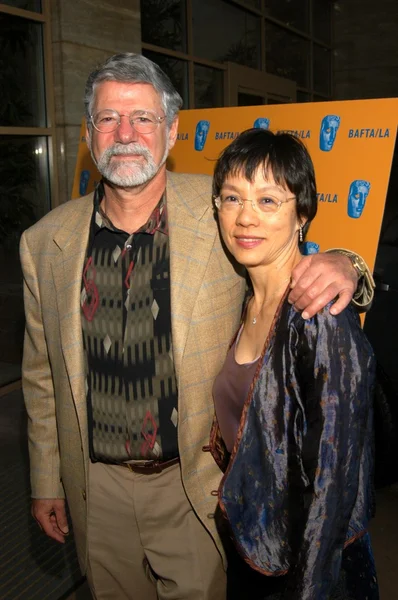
[129, 172]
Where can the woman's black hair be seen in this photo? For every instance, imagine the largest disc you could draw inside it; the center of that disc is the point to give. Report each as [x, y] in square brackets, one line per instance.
[283, 154]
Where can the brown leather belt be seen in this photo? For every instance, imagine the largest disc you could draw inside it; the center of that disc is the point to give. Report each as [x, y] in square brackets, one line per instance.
[147, 467]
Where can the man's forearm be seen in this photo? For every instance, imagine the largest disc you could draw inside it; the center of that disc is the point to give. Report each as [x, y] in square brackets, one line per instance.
[364, 294]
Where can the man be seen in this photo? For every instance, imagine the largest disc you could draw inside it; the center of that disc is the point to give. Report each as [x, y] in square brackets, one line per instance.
[130, 304]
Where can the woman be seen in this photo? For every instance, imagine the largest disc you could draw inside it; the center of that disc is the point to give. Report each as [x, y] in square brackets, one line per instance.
[293, 426]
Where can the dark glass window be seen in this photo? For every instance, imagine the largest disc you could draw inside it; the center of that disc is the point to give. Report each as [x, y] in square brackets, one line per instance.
[25, 197]
[176, 69]
[321, 15]
[208, 87]
[294, 13]
[322, 70]
[33, 5]
[245, 99]
[24, 184]
[163, 23]
[272, 100]
[252, 3]
[21, 74]
[224, 32]
[287, 54]
[303, 96]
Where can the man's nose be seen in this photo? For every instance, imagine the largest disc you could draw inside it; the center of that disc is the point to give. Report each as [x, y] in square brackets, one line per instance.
[125, 133]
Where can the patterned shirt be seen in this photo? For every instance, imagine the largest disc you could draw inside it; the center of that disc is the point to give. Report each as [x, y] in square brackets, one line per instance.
[126, 321]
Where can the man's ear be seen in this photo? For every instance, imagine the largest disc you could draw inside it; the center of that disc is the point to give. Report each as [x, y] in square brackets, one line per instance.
[173, 133]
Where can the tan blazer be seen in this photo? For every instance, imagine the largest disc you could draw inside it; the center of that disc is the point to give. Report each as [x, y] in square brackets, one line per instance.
[206, 298]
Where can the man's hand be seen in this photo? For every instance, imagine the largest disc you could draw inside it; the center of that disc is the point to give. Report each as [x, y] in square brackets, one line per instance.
[319, 278]
[51, 517]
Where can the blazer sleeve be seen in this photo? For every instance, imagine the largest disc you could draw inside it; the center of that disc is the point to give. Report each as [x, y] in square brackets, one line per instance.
[335, 374]
[38, 389]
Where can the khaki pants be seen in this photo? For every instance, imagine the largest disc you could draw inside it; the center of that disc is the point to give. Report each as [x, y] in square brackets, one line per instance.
[144, 540]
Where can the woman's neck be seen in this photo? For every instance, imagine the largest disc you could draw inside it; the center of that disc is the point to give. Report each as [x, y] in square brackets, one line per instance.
[270, 281]
[269, 284]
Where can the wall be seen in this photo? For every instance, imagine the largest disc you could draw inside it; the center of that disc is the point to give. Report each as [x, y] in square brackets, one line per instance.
[366, 49]
[84, 33]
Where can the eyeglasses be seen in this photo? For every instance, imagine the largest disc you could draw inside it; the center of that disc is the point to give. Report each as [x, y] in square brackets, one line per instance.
[143, 121]
[267, 205]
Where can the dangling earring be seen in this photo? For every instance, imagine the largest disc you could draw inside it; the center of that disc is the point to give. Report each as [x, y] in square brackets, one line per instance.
[301, 234]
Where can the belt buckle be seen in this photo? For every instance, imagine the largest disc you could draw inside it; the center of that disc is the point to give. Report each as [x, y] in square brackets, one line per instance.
[153, 464]
[148, 464]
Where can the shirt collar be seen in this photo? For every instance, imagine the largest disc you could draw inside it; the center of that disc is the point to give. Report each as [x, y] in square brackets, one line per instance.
[157, 220]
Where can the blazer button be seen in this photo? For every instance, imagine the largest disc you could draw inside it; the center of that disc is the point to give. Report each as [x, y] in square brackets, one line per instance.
[84, 495]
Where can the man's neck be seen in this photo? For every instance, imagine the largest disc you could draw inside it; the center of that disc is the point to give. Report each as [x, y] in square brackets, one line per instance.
[130, 208]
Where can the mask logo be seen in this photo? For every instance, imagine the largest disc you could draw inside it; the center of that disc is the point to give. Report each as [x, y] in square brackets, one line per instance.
[359, 191]
[84, 179]
[327, 136]
[309, 248]
[202, 129]
[261, 123]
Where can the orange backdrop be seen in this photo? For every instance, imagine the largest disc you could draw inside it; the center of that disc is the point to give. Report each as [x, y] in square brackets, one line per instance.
[351, 144]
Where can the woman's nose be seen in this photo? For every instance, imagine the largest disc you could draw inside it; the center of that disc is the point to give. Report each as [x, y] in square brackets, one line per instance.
[247, 214]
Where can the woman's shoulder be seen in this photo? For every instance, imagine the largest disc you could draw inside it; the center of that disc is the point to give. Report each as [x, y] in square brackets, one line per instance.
[349, 316]
[334, 343]
[346, 326]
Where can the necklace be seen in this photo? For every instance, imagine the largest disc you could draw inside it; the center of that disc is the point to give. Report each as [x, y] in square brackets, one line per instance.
[269, 300]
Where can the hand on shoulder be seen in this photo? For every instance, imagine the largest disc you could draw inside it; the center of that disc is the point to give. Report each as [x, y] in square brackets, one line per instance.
[318, 279]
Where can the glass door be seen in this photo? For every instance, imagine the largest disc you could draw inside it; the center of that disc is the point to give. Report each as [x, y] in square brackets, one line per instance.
[248, 87]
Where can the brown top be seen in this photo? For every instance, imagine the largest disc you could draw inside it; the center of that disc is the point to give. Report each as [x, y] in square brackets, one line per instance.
[230, 390]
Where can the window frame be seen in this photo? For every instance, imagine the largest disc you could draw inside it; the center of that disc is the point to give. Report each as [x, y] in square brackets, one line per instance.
[43, 18]
[192, 59]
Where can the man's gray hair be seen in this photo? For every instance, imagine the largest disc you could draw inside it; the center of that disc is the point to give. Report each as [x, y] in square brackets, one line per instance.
[133, 68]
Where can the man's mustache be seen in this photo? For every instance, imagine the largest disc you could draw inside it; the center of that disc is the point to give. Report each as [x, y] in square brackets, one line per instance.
[119, 150]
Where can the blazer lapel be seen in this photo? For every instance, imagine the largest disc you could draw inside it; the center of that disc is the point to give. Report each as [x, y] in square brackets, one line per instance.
[72, 239]
[192, 233]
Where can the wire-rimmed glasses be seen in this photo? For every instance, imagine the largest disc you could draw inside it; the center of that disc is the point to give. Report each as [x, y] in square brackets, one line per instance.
[266, 204]
[143, 121]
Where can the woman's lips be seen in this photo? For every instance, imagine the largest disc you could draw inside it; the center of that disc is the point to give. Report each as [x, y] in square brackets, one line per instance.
[248, 242]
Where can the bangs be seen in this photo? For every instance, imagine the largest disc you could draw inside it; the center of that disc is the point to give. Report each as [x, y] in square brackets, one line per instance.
[281, 154]
[249, 169]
